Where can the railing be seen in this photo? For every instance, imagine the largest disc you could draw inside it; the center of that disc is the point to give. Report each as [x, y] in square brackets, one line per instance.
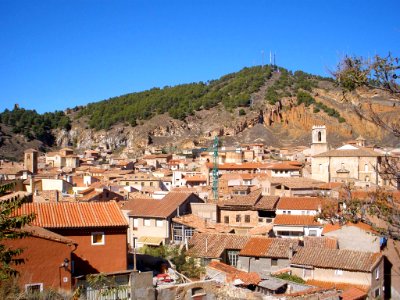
[122, 292]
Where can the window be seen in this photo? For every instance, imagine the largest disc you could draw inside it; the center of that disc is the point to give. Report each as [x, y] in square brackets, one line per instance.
[135, 223]
[319, 136]
[97, 238]
[127, 183]
[377, 273]
[233, 256]
[339, 272]
[34, 287]
[377, 292]
[366, 168]
[274, 262]
[147, 222]
[238, 218]
[312, 232]
[307, 272]
[159, 223]
[226, 219]
[247, 218]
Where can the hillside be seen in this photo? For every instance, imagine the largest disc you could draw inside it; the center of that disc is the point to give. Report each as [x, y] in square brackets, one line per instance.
[272, 106]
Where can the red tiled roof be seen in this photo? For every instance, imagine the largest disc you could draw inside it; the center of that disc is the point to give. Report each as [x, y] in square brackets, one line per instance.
[267, 203]
[320, 242]
[300, 203]
[46, 234]
[248, 200]
[337, 226]
[74, 215]
[284, 166]
[268, 247]
[242, 166]
[295, 220]
[354, 293]
[336, 259]
[212, 245]
[233, 273]
[162, 208]
[196, 178]
[337, 285]
[360, 152]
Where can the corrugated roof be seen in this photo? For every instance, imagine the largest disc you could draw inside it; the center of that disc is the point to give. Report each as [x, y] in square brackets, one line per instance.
[74, 215]
[336, 259]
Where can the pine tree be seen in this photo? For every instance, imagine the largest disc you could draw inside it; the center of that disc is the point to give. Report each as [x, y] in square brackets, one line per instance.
[11, 228]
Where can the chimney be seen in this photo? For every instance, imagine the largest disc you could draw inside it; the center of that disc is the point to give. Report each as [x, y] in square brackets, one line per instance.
[290, 251]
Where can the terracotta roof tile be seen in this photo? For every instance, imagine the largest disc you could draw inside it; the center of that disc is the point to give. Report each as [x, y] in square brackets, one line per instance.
[337, 285]
[295, 220]
[284, 166]
[268, 247]
[336, 259]
[248, 200]
[47, 234]
[242, 166]
[320, 242]
[75, 215]
[267, 203]
[162, 208]
[233, 273]
[212, 245]
[196, 178]
[361, 152]
[300, 203]
[354, 293]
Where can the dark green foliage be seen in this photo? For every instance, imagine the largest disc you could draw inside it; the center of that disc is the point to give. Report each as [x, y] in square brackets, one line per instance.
[307, 99]
[10, 228]
[242, 112]
[185, 265]
[289, 83]
[233, 90]
[33, 125]
[294, 278]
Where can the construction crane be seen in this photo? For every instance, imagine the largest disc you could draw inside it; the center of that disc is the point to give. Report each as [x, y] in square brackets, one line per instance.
[215, 169]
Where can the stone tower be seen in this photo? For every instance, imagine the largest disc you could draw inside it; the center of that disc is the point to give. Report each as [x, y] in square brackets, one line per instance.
[318, 137]
[31, 160]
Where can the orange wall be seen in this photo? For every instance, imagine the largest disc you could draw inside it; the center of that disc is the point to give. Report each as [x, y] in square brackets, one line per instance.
[110, 257]
[43, 259]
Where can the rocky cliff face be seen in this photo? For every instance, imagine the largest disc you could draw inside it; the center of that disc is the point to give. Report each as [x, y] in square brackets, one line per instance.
[288, 122]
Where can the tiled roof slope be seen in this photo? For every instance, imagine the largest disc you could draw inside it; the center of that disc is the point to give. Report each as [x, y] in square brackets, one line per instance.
[75, 215]
[268, 247]
[46, 234]
[301, 203]
[349, 153]
[158, 208]
[209, 245]
[267, 203]
[336, 259]
[295, 220]
[233, 273]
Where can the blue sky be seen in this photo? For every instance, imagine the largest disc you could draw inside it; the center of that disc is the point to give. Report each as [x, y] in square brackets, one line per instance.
[58, 54]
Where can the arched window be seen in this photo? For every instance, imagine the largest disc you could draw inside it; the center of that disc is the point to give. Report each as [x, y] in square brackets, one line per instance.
[366, 167]
[319, 136]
